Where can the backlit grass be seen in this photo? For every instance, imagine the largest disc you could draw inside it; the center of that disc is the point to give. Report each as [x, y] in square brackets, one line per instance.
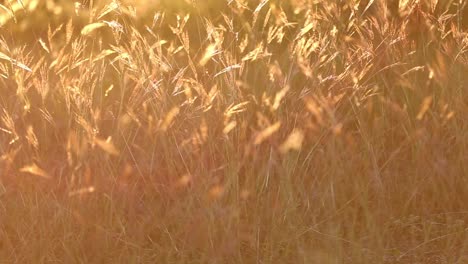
[292, 131]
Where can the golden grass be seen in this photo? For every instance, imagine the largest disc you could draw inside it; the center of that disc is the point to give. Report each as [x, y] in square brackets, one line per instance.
[238, 131]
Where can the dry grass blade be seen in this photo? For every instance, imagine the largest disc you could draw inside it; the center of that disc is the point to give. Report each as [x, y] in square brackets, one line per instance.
[306, 29]
[267, 132]
[6, 131]
[81, 191]
[113, 6]
[108, 90]
[426, 104]
[229, 127]
[4, 18]
[18, 64]
[209, 53]
[35, 170]
[288, 131]
[258, 53]
[32, 138]
[280, 96]
[3, 56]
[104, 54]
[69, 31]
[88, 29]
[22, 66]
[368, 6]
[228, 69]
[44, 45]
[107, 146]
[21, 3]
[171, 115]
[260, 6]
[237, 108]
[293, 142]
[258, 9]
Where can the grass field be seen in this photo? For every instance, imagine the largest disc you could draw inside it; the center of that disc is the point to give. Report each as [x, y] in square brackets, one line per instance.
[262, 131]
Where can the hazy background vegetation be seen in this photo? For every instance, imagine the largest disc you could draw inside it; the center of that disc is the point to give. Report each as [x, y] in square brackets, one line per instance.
[236, 131]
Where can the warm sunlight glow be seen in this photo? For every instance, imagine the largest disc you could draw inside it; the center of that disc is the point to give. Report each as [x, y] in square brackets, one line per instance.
[234, 131]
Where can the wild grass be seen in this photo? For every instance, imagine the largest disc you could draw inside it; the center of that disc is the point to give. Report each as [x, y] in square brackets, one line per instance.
[237, 131]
